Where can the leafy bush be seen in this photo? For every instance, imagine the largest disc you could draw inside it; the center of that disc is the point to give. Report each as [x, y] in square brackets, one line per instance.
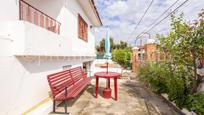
[122, 56]
[178, 84]
[196, 103]
[163, 78]
[179, 77]
[154, 75]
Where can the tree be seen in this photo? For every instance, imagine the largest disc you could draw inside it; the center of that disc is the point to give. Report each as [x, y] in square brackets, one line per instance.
[185, 45]
[177, 76]
[121, 45]
[101, 47]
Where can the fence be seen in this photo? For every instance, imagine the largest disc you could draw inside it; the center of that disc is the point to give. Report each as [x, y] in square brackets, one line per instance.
[37, 17]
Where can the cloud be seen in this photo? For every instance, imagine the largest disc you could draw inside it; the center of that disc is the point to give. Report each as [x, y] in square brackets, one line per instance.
[117, 8]
[123, 15]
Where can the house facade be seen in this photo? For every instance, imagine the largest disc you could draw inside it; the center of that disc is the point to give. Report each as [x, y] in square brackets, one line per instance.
[145, 53]
[37, 38]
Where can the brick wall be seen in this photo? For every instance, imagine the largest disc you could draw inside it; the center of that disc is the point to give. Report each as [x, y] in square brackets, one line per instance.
[150, 52]
[150, 55]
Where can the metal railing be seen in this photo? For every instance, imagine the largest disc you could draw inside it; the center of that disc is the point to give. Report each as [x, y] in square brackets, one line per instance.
[37, 17]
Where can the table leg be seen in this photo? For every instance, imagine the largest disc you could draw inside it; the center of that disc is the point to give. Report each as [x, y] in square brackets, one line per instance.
[116, 88]
[96, 91]
[108, 83]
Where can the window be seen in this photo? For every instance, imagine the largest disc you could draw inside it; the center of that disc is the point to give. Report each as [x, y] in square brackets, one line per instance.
[82, 29]
[66, 67]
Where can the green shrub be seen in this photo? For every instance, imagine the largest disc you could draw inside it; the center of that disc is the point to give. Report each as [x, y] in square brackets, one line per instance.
[155, 75]
[176, 90]
[180, 85]
[163, 78]
[179, 79]
[122, 56]
[196, 103]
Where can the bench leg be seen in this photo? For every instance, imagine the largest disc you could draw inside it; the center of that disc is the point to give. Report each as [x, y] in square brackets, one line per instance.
[65, 106]
[54, 103]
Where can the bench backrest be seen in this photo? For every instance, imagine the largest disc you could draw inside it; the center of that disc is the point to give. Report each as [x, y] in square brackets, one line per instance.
[77, 74]
[59, 80]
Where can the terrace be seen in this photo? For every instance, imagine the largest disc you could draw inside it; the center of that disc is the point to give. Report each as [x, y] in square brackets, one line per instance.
[133, 98]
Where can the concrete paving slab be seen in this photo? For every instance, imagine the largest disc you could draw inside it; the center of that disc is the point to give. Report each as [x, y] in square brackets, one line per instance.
[133, 100]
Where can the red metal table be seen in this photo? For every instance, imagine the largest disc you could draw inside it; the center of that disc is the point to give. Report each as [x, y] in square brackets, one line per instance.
[108, 76]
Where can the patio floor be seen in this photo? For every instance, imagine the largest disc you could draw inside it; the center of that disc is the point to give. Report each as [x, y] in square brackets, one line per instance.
[133, 100]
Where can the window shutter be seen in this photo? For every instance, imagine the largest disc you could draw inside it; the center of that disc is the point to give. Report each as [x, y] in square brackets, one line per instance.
[82, 29]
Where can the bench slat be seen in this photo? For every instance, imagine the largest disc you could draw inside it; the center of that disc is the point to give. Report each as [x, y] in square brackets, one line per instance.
[74, 79]
[74, 91]
[80, 87]
[58, 76]
[62, 80]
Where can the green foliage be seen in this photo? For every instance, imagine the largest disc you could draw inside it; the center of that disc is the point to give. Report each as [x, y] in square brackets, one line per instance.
[162, 77]
[184, 44]
[101, 47]
[177, 77]
[121, 45]
[154, 74]
[178, 85]
[196, 103]
[122, 56]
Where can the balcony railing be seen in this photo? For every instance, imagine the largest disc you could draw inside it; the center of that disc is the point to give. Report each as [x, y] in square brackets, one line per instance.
[37, 17]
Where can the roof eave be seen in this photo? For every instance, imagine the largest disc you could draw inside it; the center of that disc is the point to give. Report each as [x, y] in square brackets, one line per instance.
[96, 11]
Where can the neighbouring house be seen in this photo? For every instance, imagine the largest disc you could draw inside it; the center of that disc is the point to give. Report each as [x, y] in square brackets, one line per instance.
[145, 53]
[149, 53]
[37, 38]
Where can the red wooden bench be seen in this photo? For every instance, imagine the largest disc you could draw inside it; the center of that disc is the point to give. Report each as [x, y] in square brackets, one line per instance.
[67, 85]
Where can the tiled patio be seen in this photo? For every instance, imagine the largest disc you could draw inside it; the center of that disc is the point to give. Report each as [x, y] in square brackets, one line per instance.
[133, 100]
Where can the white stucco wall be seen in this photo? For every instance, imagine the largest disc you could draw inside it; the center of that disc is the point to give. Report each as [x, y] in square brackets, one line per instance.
[23, 82]
[9, 10]
[64, 11]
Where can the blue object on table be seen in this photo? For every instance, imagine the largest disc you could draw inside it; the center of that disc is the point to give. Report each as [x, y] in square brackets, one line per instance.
[107, 46]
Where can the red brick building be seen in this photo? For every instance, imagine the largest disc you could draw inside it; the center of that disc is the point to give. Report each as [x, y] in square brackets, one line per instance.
[147, 52]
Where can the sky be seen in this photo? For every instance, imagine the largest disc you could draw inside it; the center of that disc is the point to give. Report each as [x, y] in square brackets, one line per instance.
[122, 16]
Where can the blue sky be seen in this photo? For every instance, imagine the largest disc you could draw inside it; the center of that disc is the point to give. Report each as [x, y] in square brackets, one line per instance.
[123, 15]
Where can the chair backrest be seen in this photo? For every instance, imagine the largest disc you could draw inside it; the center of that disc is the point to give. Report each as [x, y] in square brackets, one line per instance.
[58, 81]
[77, 74]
